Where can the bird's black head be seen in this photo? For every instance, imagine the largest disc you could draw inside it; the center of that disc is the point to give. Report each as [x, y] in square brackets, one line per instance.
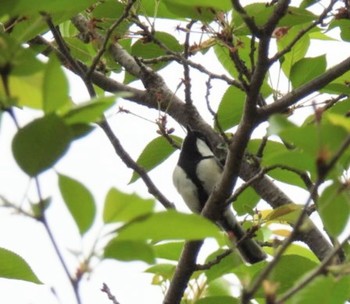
[195, 146]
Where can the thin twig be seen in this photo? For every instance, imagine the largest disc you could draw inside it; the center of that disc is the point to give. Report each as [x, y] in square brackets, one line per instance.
[110, 296]
[313, 274]
[303, 175]
[215, 261]
[248, 293]
[129, 162]
[302, 32]
[252, 289]
[64, 50]
[107, 36]
[187, 53]
[74, 282]
[249, 21]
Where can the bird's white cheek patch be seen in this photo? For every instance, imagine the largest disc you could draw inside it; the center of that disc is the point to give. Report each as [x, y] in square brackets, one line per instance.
[209, 173]
[187, 189]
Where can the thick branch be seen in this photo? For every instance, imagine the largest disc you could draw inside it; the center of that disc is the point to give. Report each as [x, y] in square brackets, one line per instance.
[183, 273]
[314, 85]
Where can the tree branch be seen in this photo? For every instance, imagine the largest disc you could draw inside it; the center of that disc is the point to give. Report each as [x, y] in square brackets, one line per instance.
[108, 35]
[301, 33]
[314, 85]
[183, 272]
[249, 21]
[128, 161]
[313, 274]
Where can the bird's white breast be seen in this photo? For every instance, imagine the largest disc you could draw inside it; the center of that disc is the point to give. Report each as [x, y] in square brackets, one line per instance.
[187, 189]
[209, 173]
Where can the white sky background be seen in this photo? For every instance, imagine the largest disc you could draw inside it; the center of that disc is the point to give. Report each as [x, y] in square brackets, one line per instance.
[92, 161]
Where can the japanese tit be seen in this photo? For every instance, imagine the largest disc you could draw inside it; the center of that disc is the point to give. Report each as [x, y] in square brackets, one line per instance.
[195, 176]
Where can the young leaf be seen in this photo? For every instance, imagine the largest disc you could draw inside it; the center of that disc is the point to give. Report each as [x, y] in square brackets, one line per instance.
[297, 52]
[20, 7]
[164, 270]
[79, 202]
[226, 265]
[334, 208]
[231, 108]
[169, 250]
[129, 251]
[219, 287]
[204, 10]
[55, 86]
[123, 207]
[156, 151]
[218, 299]
[91, 111]
[169, 225]
[13, 266]
[307, 69]
[246, 201]
[324, 290]
[289, 269]
[285, 213]
[41, 143]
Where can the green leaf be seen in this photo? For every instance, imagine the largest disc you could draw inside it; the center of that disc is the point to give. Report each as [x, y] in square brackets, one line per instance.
[80, 50]
[307, 3]
[164, 270]
[79, 202]
[23, 71]
[108, 9]
[277, 154]
[23, 7]
[204, 10]
[298, 51]
[339, 120]
[219, 5]
[169, 250]
[313, 140]
[218, 299]
[19, 61]
[13, 266]
[148, 49]
[157, 9]
[123, 207]
[324, 290]
[286, 213]
[55, 86]
[219, 287]
[41, 143]
[28, 90]
[301, 250]
[278, 123]
[222, 53]
[343, 25]
[156, 151]
[262, 13]
[91, 111]
[169, 225]
[334, 208]
[289, 269]
[226, 265]
[129, 251]
[246, 202]
[231, 108]
[307, 69]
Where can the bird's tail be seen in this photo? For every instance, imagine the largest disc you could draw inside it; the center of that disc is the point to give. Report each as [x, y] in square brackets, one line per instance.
[248, 247]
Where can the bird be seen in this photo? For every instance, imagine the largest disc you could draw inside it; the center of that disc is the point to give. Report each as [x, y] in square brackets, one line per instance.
[195, 176]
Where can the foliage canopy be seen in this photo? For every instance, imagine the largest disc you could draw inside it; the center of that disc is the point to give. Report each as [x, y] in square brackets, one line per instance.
[261, 58]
